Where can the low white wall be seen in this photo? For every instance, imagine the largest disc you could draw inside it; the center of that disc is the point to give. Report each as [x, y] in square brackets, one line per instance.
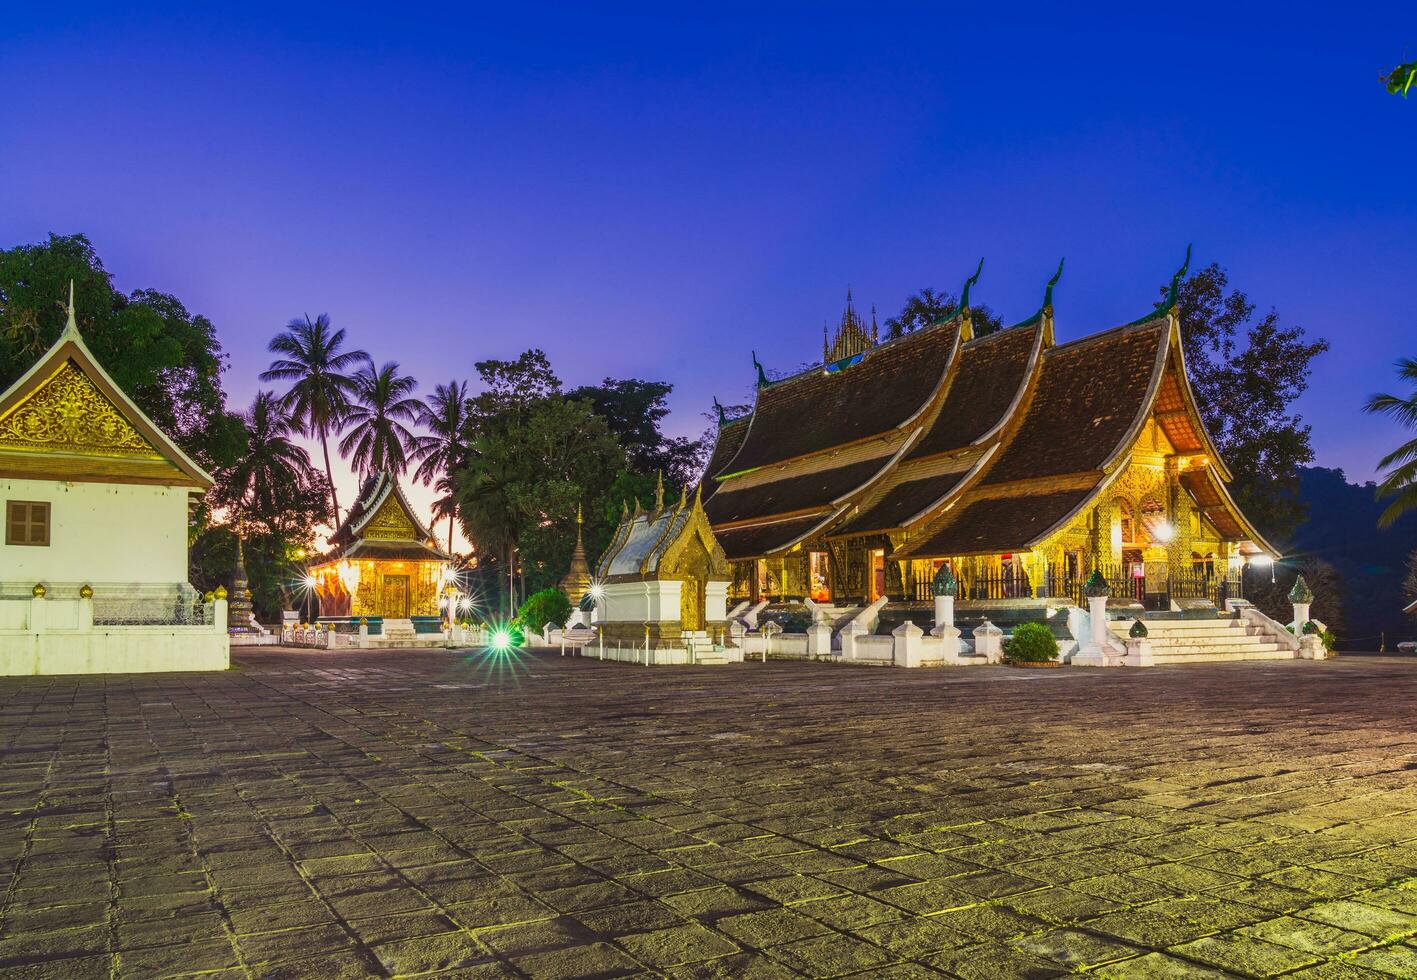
[792, 645]
[58, 637]
[874, 649]
[654, 658]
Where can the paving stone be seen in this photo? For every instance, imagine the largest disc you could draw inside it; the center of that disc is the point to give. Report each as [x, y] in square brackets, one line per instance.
[1246, 955]
[346, 813]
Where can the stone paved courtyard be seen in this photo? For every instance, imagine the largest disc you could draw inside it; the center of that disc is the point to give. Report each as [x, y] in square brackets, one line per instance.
[328, 815]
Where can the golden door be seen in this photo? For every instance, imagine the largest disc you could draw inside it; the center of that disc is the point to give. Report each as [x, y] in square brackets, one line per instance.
[394, 601]
[691, 604]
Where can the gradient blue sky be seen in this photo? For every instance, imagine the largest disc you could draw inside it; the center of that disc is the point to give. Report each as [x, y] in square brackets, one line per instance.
[653, 196]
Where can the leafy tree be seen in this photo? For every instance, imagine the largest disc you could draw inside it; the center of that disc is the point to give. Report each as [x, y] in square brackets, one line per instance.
[633, 410]
[274, 498]
[378, 438]
[1246, 373]
[313, 360]
[1401, 79]
[1400, 482]
[440, 451]
[165, 358]
[927, 307]
[547, 607]
[271, 465]
[512, 385]
[526, 472]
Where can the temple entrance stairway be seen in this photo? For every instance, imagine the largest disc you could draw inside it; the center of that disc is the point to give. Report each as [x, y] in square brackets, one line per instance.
[1180, 639]
[701, 649]
[399, 633]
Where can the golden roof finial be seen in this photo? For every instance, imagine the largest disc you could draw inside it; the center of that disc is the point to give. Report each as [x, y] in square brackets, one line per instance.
[659, 493]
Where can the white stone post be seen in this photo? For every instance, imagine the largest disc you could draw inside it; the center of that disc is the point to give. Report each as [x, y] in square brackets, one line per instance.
[989, 642]
[907, 648]
[944, 611]
[1301, 616]
[849, 633]
[363, 632]
[819, 640]
[949, 642]
[1093, 653]
[218, 613]
[770, 629]
[1139, 652]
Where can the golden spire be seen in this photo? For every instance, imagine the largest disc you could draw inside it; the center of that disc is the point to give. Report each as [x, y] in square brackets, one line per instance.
[71, 325]
[659, 493]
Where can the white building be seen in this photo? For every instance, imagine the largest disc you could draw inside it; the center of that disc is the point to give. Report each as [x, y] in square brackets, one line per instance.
[93, 563]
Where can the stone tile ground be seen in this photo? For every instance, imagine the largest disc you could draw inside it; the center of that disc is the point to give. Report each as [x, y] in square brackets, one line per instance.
[345, 815]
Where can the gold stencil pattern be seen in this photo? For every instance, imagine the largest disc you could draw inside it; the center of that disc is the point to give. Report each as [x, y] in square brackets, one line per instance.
[390, 523]
[68, 414]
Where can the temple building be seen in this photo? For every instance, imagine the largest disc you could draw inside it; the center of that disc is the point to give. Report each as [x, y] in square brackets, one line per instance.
[1023, 464]
[93, 564]
[382, 560]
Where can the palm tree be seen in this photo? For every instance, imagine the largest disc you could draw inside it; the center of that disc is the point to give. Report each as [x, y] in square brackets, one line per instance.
[378, 439]
[320, 391]
[489, 512]
[1400, 483]
[441, 451]
[272, 462]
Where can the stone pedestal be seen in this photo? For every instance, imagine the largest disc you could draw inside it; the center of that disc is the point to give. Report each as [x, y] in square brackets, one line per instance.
[944, 610]
[1139, 653]
[1301, 616]
[1093, 653]
[989, 642]
[908, 650]
[819, 640]
[849, 633]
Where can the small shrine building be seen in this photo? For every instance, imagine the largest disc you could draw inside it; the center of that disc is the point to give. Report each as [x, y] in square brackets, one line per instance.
[1022, 463]
[382, 561]
[97, 498]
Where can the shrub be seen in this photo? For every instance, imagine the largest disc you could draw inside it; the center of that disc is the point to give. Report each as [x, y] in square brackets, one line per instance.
[1032, 643]
[792, 617]
[547, 606]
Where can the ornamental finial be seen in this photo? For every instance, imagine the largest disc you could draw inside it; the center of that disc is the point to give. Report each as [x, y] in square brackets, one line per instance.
[944, 583]
[71, 324]
[1048, 293]
[1301, 592]
[722, 415]
[964, 293]
[1176, 282]
[762, 375]
[659, 492]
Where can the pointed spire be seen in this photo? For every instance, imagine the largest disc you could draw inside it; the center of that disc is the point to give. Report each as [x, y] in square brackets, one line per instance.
[762, 375]
[580, 518]
[699, 495]
[683, 497]
[659, 492]
[71, 325]
[624, 510]
[826, 351]
[1048, 293]
[875, 333]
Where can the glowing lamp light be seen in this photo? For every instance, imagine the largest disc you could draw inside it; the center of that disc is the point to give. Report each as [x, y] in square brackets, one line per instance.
[597, 592]
[309, 581]
[501, 641]
[1165, 532]
[1262, 561]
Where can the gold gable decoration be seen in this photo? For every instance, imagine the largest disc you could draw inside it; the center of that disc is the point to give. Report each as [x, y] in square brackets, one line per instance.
[390, 523]
[69, 414]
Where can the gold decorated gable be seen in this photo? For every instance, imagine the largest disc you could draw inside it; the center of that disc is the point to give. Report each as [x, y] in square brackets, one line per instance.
[390, 523]
[69, 414]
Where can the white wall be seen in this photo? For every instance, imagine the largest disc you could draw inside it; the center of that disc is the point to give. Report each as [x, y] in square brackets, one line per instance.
[101, 532]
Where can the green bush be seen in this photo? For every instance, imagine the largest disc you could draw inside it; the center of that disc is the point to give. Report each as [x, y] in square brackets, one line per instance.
[793, 617]
[547, 606]
[1032, 643]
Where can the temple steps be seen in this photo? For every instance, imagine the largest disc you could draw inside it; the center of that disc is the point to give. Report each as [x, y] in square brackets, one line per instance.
[1204, 641]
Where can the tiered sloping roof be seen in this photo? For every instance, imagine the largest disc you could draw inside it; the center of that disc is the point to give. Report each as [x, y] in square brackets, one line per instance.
[408, 538]
[969, 445]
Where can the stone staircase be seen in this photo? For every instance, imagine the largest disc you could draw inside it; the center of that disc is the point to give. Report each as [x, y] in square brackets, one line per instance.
[701, 647]
[1193, 640]
[399, 634]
